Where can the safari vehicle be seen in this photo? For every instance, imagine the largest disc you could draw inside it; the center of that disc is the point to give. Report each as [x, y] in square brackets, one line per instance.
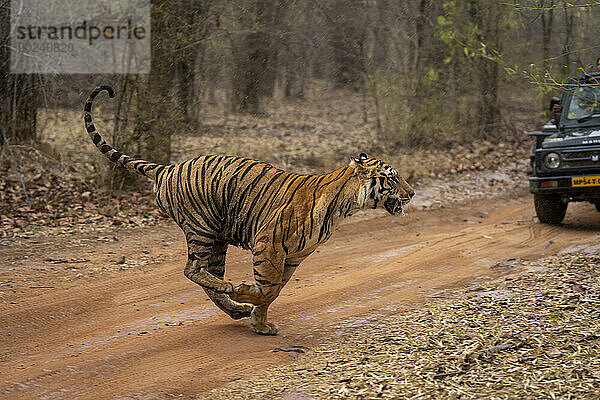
[565, 161]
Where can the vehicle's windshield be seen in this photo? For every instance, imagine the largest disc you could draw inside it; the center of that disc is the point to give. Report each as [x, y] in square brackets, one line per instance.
[585, 102]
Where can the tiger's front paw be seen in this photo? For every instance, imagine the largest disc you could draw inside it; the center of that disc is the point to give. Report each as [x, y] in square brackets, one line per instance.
[267, 328]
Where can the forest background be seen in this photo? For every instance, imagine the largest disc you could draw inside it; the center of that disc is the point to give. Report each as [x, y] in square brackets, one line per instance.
[435, 87]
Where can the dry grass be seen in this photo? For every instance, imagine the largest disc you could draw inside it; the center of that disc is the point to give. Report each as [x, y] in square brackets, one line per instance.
[307, 136]
[315, 135]
[534, 335]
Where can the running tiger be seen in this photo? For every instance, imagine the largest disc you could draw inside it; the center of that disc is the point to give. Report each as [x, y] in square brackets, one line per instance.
[281, 216]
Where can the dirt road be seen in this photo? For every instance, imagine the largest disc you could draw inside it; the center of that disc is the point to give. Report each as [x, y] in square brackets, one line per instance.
[76, 325]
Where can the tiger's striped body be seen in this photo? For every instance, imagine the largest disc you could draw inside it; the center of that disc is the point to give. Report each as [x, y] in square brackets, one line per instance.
[223, 194]
[282, 217]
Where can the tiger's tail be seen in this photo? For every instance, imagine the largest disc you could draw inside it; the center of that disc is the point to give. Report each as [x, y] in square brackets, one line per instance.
[145, 168]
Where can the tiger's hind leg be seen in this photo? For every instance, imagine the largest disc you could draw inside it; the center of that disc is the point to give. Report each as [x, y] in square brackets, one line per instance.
[200, 250]
[216, 267]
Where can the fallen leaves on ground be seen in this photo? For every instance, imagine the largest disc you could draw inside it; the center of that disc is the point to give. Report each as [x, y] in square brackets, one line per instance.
[63, 199]
[315, 135]
[539, 339]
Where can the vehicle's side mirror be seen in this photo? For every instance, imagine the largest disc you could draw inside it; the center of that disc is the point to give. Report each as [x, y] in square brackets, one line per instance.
[553, 101]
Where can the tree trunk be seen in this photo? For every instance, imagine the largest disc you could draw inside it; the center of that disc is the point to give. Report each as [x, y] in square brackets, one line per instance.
[157, 115]
[417, 48]
[121, 139]
[254, 61]
[568, 15]
[487, 29]
[547, 18]
[185, 73]
[18, 93]
[19, 107]
[192, 30]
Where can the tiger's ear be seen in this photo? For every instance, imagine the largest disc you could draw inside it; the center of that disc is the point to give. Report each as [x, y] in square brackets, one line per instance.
[361, 157]
[359, 169]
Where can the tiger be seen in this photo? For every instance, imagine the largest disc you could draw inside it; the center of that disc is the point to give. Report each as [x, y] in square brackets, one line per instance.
[281, 217]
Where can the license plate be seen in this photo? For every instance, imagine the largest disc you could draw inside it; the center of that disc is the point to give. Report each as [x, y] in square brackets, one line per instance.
[581, 181]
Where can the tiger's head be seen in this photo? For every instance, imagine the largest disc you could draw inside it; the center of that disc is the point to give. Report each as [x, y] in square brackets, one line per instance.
[382, 186]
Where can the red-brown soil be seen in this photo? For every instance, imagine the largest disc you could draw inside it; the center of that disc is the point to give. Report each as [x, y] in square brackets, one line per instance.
[97, 316]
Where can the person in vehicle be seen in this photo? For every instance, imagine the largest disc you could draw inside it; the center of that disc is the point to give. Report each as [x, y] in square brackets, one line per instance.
[557, 109]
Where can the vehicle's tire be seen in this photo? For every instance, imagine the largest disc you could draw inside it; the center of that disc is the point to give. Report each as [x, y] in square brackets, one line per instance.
[598, 206]
[549, 208]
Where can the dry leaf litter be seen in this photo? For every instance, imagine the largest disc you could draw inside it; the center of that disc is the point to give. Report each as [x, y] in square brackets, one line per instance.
[312, 136]
[532, 335]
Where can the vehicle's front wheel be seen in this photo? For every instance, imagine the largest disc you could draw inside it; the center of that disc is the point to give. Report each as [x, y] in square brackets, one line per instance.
[550, 209]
